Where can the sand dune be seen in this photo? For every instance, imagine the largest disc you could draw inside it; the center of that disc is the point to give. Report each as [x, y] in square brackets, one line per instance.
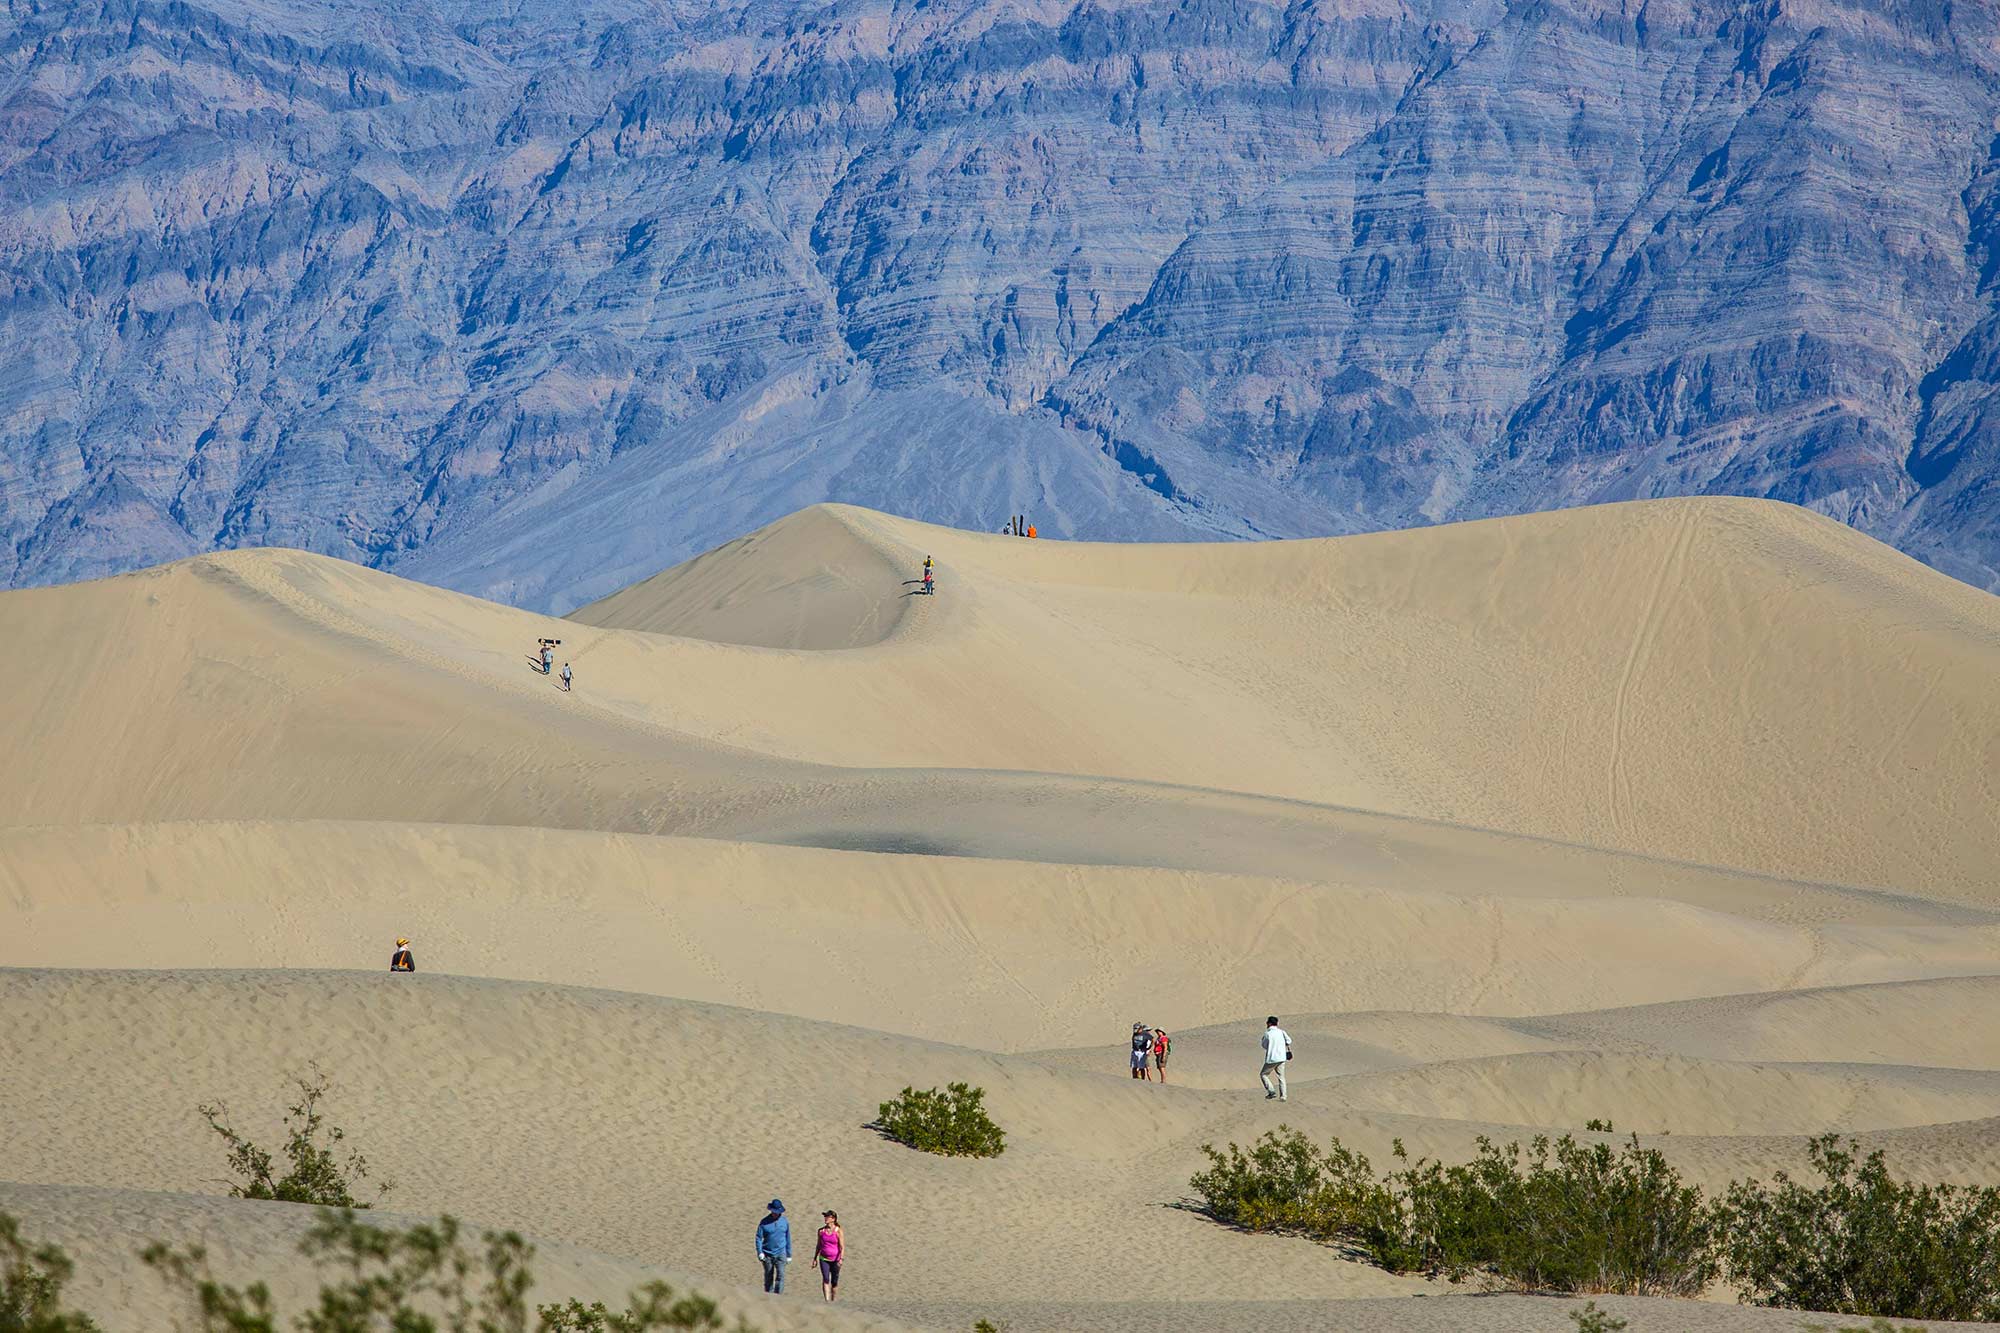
[1722, 682]
[1030, 955]
[1678, 813]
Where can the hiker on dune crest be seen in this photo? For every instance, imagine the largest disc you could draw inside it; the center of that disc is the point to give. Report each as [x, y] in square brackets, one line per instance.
[402, 960]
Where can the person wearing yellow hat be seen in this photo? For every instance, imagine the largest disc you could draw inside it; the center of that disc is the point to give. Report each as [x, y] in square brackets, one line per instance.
[402, 960]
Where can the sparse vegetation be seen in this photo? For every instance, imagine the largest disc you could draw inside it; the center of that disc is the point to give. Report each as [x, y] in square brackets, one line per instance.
[32, 1278]
[1563, 1216]
[317, 1172]
[420, 1279]
[1560, 1217]
[1589, 1319]
[1288, 1184]
[1860, 1242]
[1598, 1127]
[1570, 1217]
[952, 1123]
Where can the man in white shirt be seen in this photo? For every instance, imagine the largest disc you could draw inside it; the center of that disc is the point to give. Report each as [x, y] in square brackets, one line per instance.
[1277, 1050]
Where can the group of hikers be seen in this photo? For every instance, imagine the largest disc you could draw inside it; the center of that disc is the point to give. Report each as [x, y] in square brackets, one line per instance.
[1017, 525]
[1275, 1045]
[774, 1249]
[1149, 1042]
[548, 659]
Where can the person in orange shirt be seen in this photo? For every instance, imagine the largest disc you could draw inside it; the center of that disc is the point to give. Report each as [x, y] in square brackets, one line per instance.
[1031, 530]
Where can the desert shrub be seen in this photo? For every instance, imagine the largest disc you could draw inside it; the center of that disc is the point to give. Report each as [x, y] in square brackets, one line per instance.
[1561, 1217]
[1595, 1126]
[652, 1306]
[420, 1279]
[1589, 1319]
[32, 1278]
[1564, 1216]
[1287, 1183]
[316, 1175]
[1860, 1242]
[953, 1123]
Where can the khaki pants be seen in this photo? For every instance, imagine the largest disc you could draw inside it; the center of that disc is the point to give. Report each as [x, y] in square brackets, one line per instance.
[1264, 1076]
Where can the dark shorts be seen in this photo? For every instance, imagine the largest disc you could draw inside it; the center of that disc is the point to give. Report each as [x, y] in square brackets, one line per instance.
[829, 1272]
[1159, 1059]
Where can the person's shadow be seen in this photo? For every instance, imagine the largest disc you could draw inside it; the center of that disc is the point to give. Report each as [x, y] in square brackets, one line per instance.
[917, 590]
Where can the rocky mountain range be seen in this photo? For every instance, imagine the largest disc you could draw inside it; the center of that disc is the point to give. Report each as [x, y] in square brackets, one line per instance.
[531, 299]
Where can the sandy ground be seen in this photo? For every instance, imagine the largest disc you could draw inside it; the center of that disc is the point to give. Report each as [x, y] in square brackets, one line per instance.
[1676, 813]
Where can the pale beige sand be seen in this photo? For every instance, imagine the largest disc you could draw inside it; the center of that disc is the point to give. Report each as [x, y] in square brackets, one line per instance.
[1723, 682]
[1678, 813]
[103, 1230]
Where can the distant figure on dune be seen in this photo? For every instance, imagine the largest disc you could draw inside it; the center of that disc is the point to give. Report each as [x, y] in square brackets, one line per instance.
[1142, 1047]
[548, 657]
[1160, 1044]
[774, 1247]
[565, 677]
[402, 960]
[928, 588]
[1277, 1050]
[1032, 532]
[832, 1245]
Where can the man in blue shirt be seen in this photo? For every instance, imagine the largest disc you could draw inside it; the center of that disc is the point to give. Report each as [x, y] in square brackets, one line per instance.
[774, 1247]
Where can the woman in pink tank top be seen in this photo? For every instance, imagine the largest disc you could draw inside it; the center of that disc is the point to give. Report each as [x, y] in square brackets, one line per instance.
[832, 1245]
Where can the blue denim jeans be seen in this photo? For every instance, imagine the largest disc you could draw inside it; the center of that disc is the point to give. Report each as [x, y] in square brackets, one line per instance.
[774, 1274]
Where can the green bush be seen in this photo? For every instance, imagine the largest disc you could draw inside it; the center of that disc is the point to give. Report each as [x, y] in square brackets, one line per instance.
[419, 1279]
[953, 1123]
[1563, 1217]
[31, 1284]
[1286, 1183]
[317, 1174]
[1862, 1243]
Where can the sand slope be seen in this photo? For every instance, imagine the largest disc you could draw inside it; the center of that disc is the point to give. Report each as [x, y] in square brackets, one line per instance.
[1725, 682]
[1678, 813]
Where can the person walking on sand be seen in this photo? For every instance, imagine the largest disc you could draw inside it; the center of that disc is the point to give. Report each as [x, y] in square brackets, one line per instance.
[548, 657]
[832, 1245]
[1160, 1044]
[1277, 1050]
[1142, 1047]
[565, 677]
[774, 1247]
[402, 960]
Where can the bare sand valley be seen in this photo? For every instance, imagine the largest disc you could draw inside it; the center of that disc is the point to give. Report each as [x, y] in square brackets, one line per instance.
[1680, 813]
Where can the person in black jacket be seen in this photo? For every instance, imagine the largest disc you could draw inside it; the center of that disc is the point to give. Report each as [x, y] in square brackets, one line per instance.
[402, 960]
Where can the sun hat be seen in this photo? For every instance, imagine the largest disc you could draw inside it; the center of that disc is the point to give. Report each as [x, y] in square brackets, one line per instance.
[401, 941]
[777, 1205]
